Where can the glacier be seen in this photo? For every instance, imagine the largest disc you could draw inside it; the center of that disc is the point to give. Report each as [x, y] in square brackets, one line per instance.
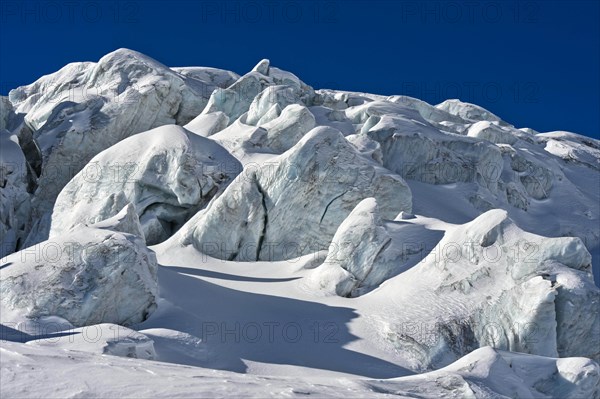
[250, 235]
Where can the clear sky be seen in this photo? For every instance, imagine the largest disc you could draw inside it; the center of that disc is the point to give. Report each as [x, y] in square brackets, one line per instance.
[534, 63]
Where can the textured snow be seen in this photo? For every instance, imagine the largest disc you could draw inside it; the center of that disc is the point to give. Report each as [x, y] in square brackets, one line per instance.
[485, 373]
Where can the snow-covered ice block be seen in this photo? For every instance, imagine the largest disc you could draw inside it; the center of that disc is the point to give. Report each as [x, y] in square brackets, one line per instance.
[7, 114]
[167, 173]
[358, 242]
[271, 114]
[492, 132]
[208, 124]
[126, 221]
[257, 92]
[210, 76]
[85, 108]
[294, 203]
[262, 67]
[572, 147]
[468, 111]
[87, 276]
[366, 250]
[490, 283]
[286, 130]
[15, 206]
[366, 146]
[272, 95]
[286, 78]
[413, 148]
[235, 100]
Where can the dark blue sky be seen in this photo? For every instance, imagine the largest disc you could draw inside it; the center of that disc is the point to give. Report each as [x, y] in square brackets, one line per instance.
[534, 63]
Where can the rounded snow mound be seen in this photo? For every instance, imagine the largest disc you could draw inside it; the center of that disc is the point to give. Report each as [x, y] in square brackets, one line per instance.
[468, 111]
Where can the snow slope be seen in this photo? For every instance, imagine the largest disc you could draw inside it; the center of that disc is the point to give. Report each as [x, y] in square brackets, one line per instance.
[484, 374]
[262, 238]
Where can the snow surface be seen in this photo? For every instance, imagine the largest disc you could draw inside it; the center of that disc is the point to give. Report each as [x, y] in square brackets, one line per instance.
[302, 242]
[486, 373]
